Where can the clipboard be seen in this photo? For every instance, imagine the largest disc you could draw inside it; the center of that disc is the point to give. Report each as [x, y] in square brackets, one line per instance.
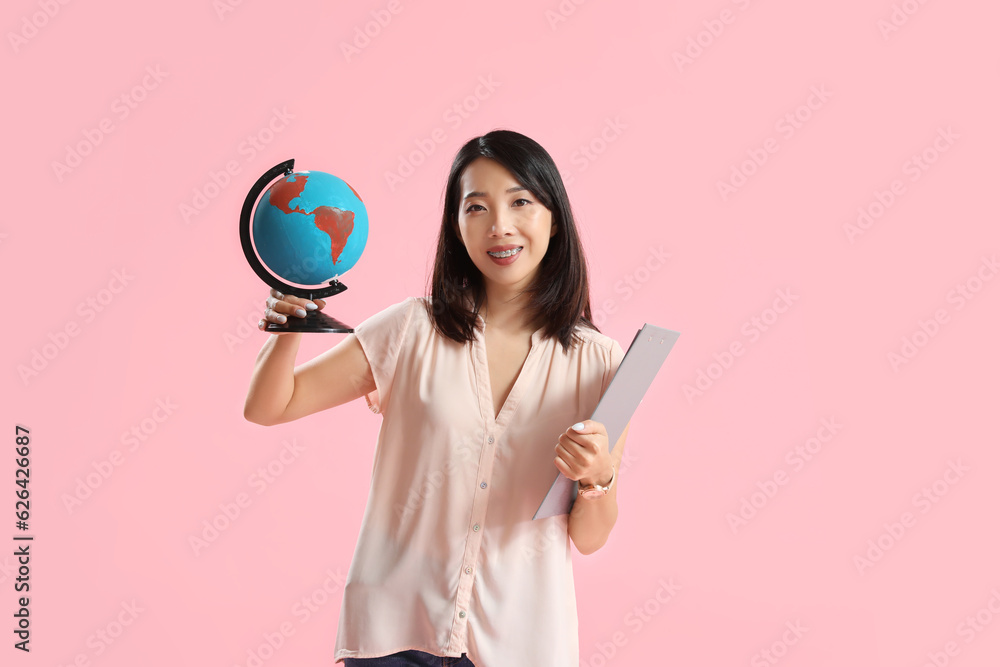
[641, 363]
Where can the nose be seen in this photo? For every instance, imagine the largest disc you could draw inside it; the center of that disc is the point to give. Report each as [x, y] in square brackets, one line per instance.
[501, 225]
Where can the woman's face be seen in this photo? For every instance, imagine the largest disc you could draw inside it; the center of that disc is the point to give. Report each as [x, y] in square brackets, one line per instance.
[490, 217]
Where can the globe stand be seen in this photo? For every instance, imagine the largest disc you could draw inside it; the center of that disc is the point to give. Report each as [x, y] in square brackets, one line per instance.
[314, 321]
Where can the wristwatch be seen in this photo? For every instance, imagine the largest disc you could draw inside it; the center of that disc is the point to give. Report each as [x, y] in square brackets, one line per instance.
[596, 490]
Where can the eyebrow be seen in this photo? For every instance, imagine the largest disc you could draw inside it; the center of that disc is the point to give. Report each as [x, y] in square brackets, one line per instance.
[483, 194]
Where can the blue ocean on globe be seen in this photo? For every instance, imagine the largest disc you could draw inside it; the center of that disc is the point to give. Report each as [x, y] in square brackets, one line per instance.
[310, 227]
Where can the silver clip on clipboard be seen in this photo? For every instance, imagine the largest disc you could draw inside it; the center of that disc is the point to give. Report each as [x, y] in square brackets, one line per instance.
[641, 363]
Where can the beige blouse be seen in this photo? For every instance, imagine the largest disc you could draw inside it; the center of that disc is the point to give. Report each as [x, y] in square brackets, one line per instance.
[448, 559]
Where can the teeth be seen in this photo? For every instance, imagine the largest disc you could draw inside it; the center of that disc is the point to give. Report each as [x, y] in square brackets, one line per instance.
[505, 253]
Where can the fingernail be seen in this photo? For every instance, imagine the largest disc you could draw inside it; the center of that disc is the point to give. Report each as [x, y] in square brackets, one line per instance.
[311, 306]
[281, 318]
[300, 312]
[578, 426]
[260, 325]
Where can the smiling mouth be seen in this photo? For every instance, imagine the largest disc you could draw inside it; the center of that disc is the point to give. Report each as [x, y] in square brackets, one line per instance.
[505, 253]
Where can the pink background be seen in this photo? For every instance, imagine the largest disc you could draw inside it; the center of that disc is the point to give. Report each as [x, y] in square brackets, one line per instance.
[643, 139]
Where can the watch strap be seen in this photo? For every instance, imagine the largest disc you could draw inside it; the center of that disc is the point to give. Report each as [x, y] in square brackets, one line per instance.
[588, 489]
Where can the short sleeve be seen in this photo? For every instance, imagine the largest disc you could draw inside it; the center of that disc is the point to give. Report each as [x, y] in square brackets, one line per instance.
[615, 356]
[381, 337]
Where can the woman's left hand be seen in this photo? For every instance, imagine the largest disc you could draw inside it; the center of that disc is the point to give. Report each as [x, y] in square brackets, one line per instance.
[583, 454]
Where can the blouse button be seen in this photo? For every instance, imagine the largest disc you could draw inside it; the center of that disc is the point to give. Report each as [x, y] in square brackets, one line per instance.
[491, 439]
[476, 527]
[482, 485]
[468, 570]
[461, 614]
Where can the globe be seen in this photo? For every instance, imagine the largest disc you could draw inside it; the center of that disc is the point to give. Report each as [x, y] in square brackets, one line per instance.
[310, 227]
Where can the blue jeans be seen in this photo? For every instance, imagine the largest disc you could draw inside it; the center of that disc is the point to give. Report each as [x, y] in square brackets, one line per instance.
[411, 658]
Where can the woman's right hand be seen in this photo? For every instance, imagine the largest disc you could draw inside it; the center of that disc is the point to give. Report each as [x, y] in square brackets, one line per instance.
[282, 306]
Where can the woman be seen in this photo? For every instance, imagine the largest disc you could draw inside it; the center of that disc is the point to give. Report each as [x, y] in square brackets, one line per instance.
[484, 388]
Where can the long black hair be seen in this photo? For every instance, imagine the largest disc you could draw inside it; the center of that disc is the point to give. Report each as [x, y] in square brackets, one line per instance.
[560, 294]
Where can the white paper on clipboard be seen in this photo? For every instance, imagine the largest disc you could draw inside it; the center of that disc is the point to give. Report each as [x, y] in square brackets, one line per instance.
[641, 363]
